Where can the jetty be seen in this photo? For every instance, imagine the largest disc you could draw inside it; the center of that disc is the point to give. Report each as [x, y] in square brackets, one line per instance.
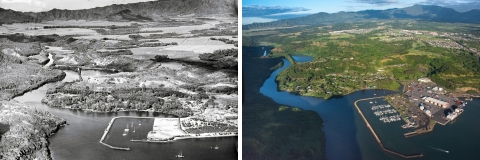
[378, 139]
[105, 134]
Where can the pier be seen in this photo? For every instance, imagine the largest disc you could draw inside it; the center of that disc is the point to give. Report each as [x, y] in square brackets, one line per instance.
[378, 139]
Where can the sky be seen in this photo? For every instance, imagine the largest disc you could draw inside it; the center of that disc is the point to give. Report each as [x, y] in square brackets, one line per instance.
[46, 5]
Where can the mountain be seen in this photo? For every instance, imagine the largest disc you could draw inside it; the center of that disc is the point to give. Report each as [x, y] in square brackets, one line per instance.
[421, 12]
[11, 16]
[142, 11]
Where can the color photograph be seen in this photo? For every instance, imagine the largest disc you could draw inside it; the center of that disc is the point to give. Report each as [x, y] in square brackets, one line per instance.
[360, 79]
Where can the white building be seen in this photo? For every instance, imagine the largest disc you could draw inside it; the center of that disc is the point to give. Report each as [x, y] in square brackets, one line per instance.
[425, 80]
[436, 102]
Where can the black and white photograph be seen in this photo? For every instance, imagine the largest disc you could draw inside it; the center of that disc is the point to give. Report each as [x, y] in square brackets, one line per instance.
[119, 79]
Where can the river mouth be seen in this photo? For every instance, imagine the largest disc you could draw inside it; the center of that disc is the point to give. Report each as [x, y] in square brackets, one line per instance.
[347, 137]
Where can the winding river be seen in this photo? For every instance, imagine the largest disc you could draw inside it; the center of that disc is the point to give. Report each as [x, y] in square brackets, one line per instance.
[80, 139]
[347, 137]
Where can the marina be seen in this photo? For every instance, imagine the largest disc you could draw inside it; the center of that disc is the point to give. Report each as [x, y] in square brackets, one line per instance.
[386, 114]
[377, 138]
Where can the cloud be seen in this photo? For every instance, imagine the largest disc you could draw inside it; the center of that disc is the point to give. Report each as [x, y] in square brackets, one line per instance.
[376, 2]
[458, 5]
[259, 10]
[37, 4]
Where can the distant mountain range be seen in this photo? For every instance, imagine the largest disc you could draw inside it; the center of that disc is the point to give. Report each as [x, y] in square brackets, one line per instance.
[143, 11]
[422, 12]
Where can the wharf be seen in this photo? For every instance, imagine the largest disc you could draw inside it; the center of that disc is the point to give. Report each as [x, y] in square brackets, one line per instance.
[378, 139]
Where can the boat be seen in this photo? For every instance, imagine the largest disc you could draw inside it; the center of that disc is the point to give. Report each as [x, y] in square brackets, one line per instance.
[180, 155]
[216, 147]
[133, 128]
[371, 102]
[125, 132]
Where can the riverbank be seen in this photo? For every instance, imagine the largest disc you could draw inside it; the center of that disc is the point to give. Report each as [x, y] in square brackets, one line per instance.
[36, 129]
[18, 79]
[274, 134]
[58, 77]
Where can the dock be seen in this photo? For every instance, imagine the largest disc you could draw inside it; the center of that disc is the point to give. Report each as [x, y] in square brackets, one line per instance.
[378, 139]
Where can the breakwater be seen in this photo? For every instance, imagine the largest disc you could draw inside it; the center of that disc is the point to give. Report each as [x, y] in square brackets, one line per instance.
[106, 132]
[377, 138]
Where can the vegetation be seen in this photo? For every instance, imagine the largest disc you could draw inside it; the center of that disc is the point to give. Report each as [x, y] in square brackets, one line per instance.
[19, 76]
[349, 59]
[29, 128]
[154, 90]
[271, 125]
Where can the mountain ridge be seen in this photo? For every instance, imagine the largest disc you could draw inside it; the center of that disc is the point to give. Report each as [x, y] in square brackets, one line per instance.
[421, 12]
[141, 11]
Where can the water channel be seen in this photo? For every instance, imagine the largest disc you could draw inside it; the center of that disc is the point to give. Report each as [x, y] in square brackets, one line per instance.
[347, 136]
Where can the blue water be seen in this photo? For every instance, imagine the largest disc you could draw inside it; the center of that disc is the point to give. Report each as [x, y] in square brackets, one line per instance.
[347, 137]
[302, 58]
[337, 113]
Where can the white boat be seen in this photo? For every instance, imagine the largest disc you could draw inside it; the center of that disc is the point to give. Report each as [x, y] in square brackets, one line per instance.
[371, 102]
[133, 128]
[180, 155]
[216, 147]
[125, 132]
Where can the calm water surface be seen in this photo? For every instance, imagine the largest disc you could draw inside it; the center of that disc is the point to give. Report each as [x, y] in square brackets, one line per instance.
[80, 139]
[347, 137]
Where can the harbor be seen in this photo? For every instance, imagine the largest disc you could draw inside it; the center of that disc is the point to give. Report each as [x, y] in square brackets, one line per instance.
[153, 130]
[375, 135]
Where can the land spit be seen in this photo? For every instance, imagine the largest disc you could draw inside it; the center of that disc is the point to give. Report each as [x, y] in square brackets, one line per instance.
[378, 139]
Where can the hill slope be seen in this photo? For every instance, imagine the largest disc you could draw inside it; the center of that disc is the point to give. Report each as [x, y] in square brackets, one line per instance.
[143, 11]
[422, 12]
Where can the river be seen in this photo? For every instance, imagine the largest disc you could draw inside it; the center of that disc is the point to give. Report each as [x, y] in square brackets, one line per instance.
[80, 139]
[347, 136]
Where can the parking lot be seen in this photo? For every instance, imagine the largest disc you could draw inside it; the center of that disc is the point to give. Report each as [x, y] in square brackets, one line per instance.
[417, 90]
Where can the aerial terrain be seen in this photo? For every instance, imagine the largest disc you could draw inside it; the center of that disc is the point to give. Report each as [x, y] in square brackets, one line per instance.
[416, 65]
[172, 58]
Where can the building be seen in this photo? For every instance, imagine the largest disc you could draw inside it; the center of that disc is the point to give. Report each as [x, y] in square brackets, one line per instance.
[436, 102]
[424, 80]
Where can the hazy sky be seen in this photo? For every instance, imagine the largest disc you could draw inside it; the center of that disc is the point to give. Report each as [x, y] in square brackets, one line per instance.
[46, 5]
[333, 6]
